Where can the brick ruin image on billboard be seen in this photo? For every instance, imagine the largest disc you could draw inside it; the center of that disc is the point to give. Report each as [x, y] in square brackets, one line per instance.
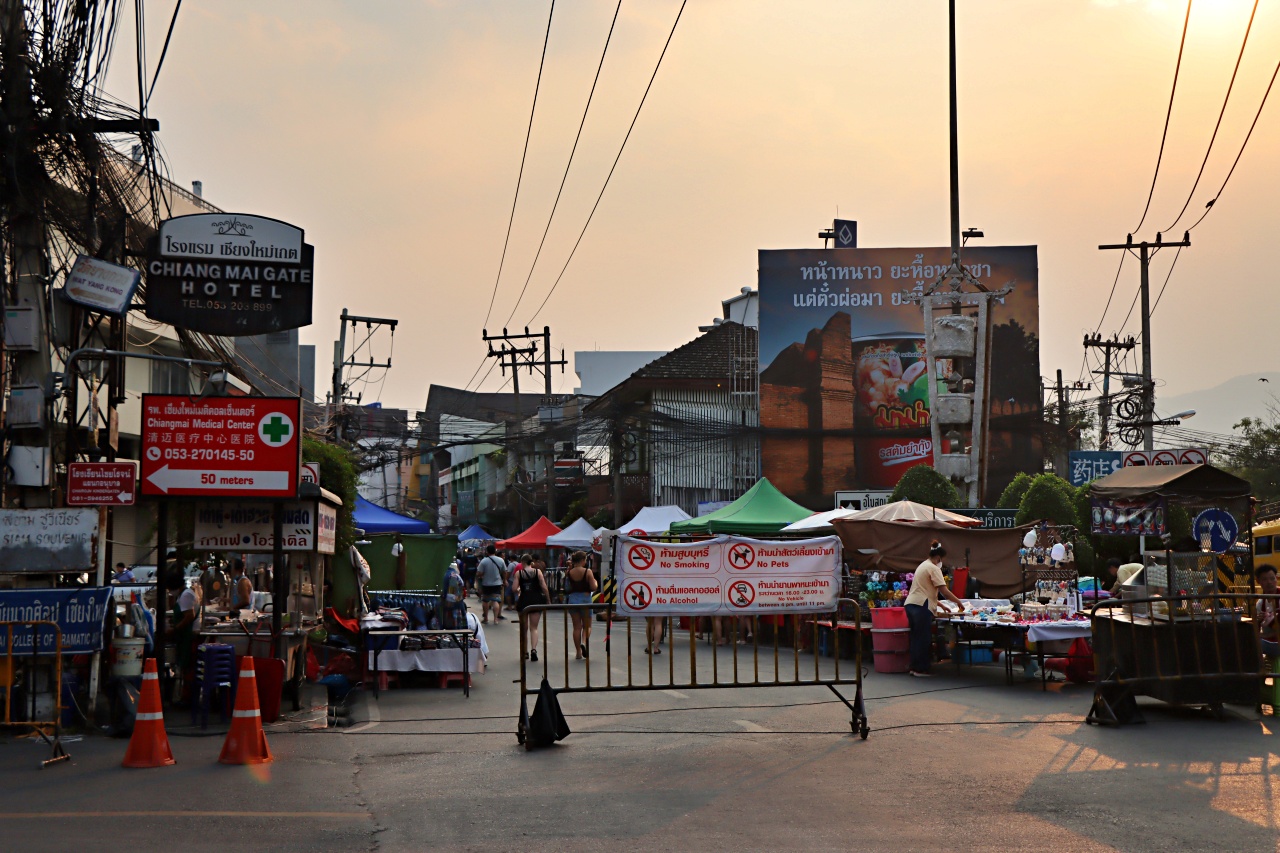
[844, 395]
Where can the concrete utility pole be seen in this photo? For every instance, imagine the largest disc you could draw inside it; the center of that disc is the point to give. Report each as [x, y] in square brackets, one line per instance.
[338, 394]
[1147, 251]
[1095, 341]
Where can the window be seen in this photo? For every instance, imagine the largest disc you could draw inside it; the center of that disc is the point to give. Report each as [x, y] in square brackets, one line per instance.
[169, 377]
[1262, 545]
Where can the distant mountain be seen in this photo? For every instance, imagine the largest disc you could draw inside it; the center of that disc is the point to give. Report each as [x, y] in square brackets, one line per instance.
[1220, 407]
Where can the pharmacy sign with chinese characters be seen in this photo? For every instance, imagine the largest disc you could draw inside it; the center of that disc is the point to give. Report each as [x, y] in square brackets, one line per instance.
[220, 447]
[728, 575]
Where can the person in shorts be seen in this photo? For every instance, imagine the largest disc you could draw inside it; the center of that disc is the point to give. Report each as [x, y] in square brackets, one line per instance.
[579, 583]
[531, 588]
[491, 575]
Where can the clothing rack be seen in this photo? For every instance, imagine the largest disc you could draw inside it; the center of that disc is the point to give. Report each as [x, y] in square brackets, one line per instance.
[404, 597]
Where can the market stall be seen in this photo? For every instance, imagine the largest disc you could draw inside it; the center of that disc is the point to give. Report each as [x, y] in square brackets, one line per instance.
[372, 518]
[244, 530]
[1178, 634]
[475, 535]
[761, 509]
[579, 535]
[654, 520]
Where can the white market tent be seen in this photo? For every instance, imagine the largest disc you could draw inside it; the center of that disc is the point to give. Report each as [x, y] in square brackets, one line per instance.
[654, 519]
[576, 535]
[819, 520]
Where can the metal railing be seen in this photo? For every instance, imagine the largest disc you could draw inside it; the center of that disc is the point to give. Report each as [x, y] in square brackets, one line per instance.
[748, 661]
[9, 679]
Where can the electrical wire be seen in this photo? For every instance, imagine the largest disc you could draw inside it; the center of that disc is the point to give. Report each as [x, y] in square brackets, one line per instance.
[164, 51]
[1177, 68]
[621, 148]
[523, 155]
[572, 151]
[1226, 99]
[1168, 275]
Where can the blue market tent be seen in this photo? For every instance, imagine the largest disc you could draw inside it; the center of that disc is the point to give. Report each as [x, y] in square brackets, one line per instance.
[372, 518]
[475, 533]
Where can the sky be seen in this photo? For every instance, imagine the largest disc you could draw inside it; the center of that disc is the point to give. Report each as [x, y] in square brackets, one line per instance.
[392, 133]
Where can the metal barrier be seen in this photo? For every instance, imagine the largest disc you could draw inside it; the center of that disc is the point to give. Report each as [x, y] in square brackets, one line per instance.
[8, 679]
[1195, 650]
[748, 665]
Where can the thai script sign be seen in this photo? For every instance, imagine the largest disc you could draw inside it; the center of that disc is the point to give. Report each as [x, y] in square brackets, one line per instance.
[79, 613]
[220, 447]
[101, 285]
[992, 519]
[230, 274]
[844, 384]
[47, 540]
[727, 576]
[863, 500]
[101, 483]
[249, 527]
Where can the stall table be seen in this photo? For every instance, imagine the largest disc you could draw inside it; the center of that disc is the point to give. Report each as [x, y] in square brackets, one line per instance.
[1012, 637]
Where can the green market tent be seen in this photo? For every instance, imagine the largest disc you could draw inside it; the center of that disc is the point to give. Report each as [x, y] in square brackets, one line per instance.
[762, 509]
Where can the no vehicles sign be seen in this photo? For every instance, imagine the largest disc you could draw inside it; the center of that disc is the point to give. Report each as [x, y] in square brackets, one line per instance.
[728, 575]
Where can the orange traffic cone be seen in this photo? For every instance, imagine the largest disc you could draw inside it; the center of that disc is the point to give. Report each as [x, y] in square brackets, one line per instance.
[149, 746]
[246, 743]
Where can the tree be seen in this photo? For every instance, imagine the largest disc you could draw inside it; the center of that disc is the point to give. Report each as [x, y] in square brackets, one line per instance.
[338, 475]
[1011, 497]
[1048, 498]
[1257, 457]
[923, 485]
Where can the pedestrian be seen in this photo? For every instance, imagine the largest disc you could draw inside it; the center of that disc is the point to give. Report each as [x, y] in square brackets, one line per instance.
[453, 610]
[491, 575]
[531, 587]
[241, 589]
[469, 563]
[1268, 611]
[579, 583]
[122, 575]
[517, 563]
[921, 603]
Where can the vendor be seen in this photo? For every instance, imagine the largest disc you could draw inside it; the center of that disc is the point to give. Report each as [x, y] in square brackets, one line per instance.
[921, 603]
[241, 589]
[1110, 575]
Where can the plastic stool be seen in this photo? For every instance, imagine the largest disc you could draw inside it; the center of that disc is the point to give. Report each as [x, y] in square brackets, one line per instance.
[215, 671]
[459, 678]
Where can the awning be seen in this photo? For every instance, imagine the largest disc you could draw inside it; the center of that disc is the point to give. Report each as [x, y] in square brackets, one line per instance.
[534, 537]
[576, 535]
[372, 518]
[475, 533]
[762, 509]
[1185, 482]
[654, 519]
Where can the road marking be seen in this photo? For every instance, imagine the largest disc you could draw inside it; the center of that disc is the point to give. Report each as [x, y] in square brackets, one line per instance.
[676, 693]
[750, 726]
[304, 815]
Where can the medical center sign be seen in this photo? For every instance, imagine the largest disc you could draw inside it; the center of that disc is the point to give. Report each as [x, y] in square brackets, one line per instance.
[229, 447]
[230, 274]
[728, 575]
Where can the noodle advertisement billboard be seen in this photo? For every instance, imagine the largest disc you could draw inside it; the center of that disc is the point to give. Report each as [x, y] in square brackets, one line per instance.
[844, 395]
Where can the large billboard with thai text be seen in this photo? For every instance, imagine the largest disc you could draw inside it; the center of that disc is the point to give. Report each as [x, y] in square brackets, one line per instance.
[844, 399]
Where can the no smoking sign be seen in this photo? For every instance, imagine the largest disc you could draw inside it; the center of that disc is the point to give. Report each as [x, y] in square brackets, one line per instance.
[641, 557]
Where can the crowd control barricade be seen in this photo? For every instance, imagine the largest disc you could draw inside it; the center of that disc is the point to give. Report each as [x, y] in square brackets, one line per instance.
[1200, 650]
[686, 662]
[46, 642]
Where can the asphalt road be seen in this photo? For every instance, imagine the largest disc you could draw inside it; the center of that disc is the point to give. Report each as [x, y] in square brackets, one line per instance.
[425, 768]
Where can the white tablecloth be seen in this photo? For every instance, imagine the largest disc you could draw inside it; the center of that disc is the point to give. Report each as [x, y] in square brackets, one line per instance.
[1066, 629]
[427, 660]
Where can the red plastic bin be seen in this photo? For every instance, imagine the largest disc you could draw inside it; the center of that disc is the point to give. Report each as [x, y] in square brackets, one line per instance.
[891, 647]
[889, 617]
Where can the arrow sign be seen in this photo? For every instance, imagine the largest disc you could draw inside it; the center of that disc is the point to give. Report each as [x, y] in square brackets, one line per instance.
[192, 479]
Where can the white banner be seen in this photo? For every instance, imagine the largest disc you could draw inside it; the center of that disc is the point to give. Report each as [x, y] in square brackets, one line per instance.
[727, 576]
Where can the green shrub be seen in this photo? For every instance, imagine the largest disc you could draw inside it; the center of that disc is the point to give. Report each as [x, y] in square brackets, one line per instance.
[923, 485]
[1011, 497]
[1049, 497]
[337, 474]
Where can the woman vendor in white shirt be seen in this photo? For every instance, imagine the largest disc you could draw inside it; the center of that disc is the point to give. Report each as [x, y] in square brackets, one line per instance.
[921, 603]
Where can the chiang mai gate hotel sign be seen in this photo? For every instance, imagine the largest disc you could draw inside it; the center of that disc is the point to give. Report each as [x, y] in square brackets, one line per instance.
[229, 274]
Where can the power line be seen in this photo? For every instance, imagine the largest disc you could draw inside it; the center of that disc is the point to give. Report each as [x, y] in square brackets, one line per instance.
[1166, 280]
[520, 177]
[572, 151]
[164, 51]
[615, 164]
[1221, 113]
[1116, 280]
[1164, 134]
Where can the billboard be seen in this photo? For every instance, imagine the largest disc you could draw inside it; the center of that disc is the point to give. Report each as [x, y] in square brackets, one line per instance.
[843, 392]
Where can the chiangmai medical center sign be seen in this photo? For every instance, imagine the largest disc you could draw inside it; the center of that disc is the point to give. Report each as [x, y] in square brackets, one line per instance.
[727, 576]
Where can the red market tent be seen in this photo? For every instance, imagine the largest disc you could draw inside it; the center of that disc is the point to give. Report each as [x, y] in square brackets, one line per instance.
[534, 537]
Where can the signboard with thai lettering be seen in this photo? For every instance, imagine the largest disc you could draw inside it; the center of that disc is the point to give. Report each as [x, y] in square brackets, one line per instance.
[79, 614]
[41, 541]
[992, 519]
[101, 483]
[220, 447]
[230, 274]
[248, 527]
[101, 285]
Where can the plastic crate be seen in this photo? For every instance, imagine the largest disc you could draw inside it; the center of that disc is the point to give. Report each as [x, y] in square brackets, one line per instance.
[977, 651]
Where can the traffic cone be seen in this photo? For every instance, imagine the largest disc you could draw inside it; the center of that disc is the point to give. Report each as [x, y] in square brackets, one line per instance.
[246, 743]
[149, 746]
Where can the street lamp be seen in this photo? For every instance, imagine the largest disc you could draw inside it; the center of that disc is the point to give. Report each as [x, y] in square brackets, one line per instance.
[1131, 432]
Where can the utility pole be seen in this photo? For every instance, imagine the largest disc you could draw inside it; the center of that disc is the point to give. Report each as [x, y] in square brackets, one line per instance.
[1147, 251]
[338, 395]
[1095, 341]
[519, 358]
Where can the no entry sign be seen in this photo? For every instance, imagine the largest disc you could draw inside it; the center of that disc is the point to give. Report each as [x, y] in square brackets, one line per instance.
[101, 483]
[229, 447]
